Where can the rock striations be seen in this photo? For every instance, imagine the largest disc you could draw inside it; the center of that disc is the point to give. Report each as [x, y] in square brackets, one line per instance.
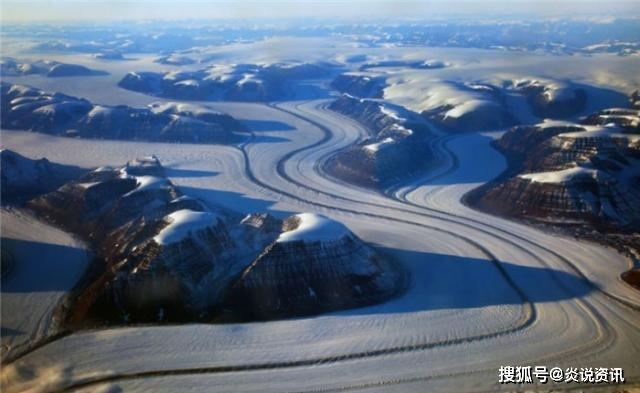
[238, 82]
[571, 174]
[24, 107]
[396, 147]
[315, 265]
[163, 256]
[361, 85]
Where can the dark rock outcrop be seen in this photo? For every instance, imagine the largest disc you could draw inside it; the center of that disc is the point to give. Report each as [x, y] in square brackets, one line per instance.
[479, 107]
[397, 146]
[316, 265]
[27, 108]
[23, 178]
[571, 174]
[162, 252]
[359, 85]
[163, 256]
[240, 82]
[53, 69]
[552, 100]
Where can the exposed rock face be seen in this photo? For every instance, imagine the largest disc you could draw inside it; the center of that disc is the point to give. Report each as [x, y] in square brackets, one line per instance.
[600, 202]
[24, 178]
[359, 85]
[628, 119]
[634, 99]
[242, 82]
[315, 265]
[47, 68]
[567, 173]
[397, 147]
[162, 251]
[167, 257]
[31, 109]
[551, 99]
[483, 109]
[452, 106]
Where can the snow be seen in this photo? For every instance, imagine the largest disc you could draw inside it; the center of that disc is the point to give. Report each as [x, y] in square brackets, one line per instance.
[395, 113]
[48, 110]
[375, 147]
[249, 78]
[607, 131]
[145, 183]
[554, 90]
[88, 185]
[634, 120]
[314, 227]
[402, 130]
[100, 111]
[469, 107]
[188, 82]
[459, 310]
[182, 223]
[459, 320]
[103, 169]
[179, 107]
[559, 92]
[550, 123]
[588, 131]
[182, 199]
[420, 94]
[36, 283]
[562, 176]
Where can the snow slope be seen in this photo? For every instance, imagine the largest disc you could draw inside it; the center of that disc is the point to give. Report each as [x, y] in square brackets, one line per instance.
[181, 223]
[35, 283]
[314, 227]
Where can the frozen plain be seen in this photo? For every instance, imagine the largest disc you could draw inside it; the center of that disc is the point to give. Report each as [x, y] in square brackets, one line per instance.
[485, 292]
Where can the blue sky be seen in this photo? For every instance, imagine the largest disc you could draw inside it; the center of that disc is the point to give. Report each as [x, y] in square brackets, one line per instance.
[104, 10]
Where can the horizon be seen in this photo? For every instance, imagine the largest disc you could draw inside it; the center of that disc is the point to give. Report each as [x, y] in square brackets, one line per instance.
[78, 12]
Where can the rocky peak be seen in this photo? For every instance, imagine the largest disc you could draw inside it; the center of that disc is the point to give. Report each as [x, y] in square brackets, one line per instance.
[315, 265]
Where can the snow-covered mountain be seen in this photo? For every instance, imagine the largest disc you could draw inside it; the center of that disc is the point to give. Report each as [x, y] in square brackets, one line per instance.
[315, 265]
[166, 256]
[566, 174]
[49, 68]
[23, 178]
[550, 99]
[397, 146]
[362, 85]
[238, 82]
[28, 108]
